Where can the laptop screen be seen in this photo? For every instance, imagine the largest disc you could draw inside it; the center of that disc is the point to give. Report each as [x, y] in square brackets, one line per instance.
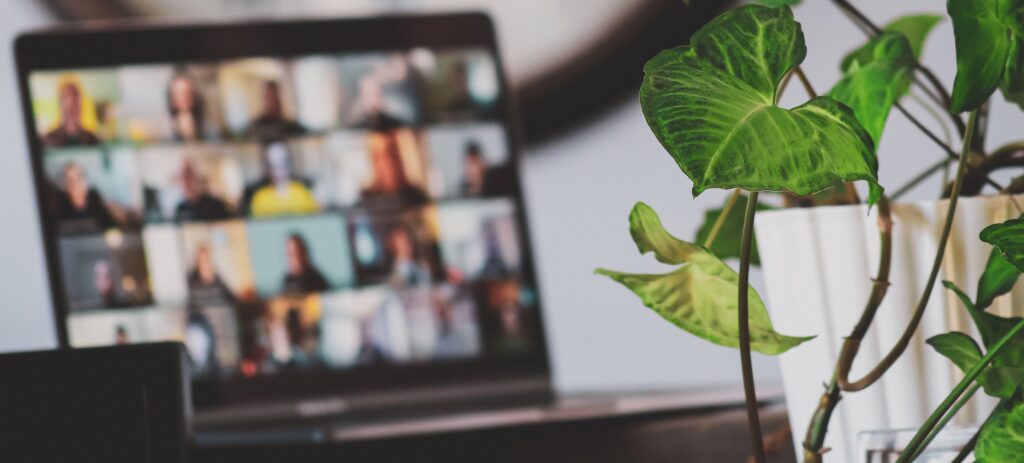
[286, 216]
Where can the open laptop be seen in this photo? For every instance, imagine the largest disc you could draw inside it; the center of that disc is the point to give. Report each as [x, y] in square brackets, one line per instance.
[326, 213]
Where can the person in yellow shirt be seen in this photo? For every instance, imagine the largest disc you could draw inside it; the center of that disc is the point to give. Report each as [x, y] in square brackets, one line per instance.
[281, 195]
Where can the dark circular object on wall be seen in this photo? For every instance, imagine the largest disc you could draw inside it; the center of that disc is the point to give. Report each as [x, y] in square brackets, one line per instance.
[597, 65]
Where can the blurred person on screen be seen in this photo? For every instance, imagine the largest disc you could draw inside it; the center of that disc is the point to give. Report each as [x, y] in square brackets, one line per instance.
[104, 283]
[186, 107]
[121, 335]
[406, 268]
[369, 352]
[455, 337]
[279, 192]
[79, 203]
[198, 204]
[271, 123]
[201, 344]
[205, 286]
[474, 171]
[302, 276]
[389, 178]
[299, 358]
[69, 127]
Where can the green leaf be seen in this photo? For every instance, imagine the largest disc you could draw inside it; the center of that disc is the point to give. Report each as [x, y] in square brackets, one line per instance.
[1001, 439]
[1013, 80]
[1006, 372]
[1008, 237]
[999, 278]
[700, 296]
[958, 347]
[712, 105]
[727, 242]
[915, 28]
[987, 33]
[875, 77]
[779, 2]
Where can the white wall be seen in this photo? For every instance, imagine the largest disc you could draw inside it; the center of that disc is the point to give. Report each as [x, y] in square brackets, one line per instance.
[25, 320]
[579, 192]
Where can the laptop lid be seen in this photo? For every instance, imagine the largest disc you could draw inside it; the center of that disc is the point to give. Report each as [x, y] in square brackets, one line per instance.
[313, 207]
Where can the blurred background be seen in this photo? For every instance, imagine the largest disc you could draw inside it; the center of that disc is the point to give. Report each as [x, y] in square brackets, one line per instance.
[576, 66]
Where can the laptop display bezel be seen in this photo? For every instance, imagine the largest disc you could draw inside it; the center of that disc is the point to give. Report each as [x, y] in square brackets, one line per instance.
[106, 45]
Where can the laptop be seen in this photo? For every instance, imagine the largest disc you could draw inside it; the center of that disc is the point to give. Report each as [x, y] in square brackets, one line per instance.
[326, 213]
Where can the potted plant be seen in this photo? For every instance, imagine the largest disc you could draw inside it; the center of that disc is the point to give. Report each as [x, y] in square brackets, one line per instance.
[713, 105]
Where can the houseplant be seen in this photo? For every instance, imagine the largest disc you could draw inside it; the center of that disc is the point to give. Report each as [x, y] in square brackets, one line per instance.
[714, 106]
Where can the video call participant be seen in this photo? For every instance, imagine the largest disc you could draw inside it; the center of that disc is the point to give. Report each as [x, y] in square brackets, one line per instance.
[69, 129]
[271, 123]
[186, 107]
[474, 171]
[103, 283]
[478, 179]
[279, 192]
[302, 276]
[298, 357]
[198, 205]
[369, 352]
[201, 344]
[205, 286]
[79, 205]
[389, 179]
[406, 269]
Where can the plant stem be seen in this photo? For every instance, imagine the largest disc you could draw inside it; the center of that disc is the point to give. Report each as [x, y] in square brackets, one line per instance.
[969, 377]
[969, 446]
[815, 438]
[721, 218]
[805, 81]
[935, 168]
[851, 345]
[814, 441]
[949, 151]
[753, 420]
[946, 419]
[940, 95]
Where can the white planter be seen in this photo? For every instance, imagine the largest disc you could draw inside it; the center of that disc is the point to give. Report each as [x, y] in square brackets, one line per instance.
[818, 264]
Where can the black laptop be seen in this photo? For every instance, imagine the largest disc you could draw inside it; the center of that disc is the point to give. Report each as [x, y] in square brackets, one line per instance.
[326, 213]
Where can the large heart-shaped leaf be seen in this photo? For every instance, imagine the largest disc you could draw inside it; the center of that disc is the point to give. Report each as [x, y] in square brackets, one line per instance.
[874, 79]
[989, 51]
[1000, 439]
[700, 296]
[713, 107]
[1006, 372]
[999, 278]
[915, 28]
[727, 241]
[1008, 238]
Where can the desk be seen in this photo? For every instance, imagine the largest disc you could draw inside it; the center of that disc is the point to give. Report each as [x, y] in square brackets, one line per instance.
[694, 426]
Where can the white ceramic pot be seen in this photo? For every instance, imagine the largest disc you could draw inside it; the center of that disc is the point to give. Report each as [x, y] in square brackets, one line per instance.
[818, 264]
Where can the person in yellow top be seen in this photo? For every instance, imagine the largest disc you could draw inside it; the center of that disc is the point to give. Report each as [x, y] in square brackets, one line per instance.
[281, 195]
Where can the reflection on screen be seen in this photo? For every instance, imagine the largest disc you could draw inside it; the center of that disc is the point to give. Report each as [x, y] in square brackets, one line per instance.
[288, 215]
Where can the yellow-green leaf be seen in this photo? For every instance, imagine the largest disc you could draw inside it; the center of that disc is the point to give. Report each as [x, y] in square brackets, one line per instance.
[699, 296]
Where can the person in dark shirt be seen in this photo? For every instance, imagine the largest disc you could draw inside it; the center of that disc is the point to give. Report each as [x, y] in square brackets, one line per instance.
[302, 276]
[186, 107]
[390, 181]
[369, 352]
[103, 283]
[69, 129]
[198, 205]
[205, 286]
[271, 124]
[79, 206]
